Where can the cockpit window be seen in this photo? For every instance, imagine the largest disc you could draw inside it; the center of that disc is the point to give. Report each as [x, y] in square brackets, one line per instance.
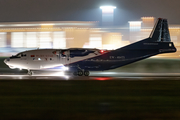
[18, 55]
[21, 55]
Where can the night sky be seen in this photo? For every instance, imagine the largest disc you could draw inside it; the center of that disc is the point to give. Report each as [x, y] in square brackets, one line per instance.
[87, 10]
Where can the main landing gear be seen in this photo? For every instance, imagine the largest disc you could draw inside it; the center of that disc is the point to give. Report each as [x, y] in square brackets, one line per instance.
[81, 73]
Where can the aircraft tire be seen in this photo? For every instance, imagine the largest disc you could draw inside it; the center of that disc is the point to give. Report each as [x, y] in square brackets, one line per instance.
[30, 73]
[80, 73]
[86, 73]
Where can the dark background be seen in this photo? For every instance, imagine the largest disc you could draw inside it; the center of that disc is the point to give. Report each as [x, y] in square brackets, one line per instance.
[87, 10]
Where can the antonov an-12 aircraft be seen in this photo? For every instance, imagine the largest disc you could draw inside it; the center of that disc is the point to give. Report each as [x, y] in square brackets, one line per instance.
[80, 61]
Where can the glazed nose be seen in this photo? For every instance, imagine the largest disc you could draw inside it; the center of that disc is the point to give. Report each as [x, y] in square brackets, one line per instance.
[5, 61]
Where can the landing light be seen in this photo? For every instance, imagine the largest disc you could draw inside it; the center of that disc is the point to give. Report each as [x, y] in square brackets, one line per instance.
[65, 68]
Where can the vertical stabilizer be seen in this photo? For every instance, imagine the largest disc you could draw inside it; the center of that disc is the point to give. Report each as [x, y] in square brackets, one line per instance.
[160, 31]
[165, 36]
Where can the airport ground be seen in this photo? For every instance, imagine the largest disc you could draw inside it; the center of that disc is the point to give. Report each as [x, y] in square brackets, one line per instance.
[84, 99]
[95, 98]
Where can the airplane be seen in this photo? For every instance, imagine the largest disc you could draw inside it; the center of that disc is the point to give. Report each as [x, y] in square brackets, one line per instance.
[80, 61]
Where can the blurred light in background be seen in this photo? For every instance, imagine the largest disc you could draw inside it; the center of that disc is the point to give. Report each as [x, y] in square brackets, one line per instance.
[135, 25]
[2, 39]
[107, 9]
[17, 37]
[95, 41]
[59, 40]
[107, 15]
[48, 24]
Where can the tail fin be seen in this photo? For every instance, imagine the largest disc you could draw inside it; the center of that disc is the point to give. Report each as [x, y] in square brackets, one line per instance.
[160, 32]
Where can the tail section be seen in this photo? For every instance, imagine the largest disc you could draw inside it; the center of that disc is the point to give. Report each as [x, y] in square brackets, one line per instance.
[160, 32]
[159, 42]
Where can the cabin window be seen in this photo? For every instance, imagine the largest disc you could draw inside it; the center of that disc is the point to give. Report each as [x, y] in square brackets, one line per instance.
[23, 55]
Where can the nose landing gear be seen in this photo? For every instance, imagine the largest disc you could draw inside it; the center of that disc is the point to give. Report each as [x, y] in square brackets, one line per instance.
[30, 73]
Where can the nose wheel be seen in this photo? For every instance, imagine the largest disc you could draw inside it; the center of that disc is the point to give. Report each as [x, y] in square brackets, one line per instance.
[29, 73]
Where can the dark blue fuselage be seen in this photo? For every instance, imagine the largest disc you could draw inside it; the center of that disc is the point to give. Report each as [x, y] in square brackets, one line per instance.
[125, 55]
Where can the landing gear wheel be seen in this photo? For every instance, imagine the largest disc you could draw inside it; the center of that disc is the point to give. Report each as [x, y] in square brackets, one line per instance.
[80, 72]
[30, 73]
[86, 73]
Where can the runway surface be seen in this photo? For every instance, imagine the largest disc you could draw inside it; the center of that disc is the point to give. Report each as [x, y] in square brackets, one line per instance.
[94, 76]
